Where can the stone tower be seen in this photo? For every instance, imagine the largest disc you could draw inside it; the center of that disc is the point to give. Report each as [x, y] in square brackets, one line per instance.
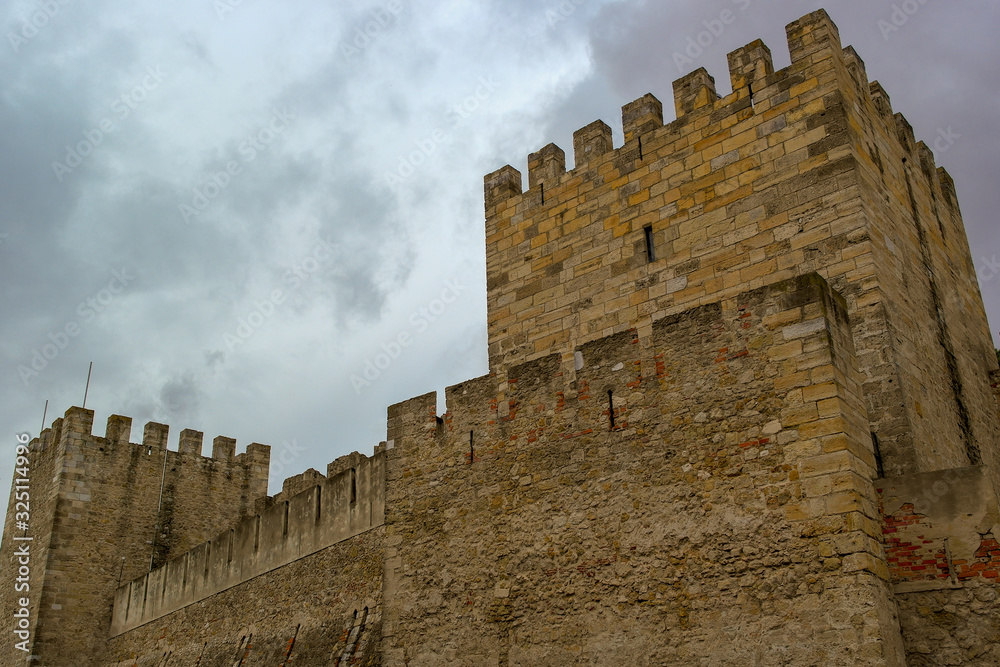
[806, 169]
[103, 511]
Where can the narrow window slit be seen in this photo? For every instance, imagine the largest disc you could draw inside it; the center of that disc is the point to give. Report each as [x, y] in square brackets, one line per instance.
[319, 501]
[880, 471]
[354, 485]
[611, 409]
[750, 91]
[640, 149]
[472, 449]
[650, 250]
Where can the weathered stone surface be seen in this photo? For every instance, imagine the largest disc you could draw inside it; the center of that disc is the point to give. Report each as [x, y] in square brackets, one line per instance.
[741, 409]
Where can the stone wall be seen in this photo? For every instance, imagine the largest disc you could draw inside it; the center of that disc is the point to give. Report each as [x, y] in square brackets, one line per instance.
[941, 533]
[804, 169]
[326, 512]
[42, 462]
[109, 510]
[699, 495]
[704, 347]
[324, 609]
[936, 345]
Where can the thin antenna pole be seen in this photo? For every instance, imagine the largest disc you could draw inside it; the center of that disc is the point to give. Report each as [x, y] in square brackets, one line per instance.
[87, 390]
[159, 506]
[45, 413]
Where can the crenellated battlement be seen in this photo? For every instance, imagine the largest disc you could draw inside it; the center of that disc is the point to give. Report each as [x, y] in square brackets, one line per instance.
[756, 90]
[77, 426]
[311, 512]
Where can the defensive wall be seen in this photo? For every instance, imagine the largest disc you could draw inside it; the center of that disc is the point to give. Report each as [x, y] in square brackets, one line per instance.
[320, 544]
[803, 169]
[718, 509]
[105, 510]
[741, 408]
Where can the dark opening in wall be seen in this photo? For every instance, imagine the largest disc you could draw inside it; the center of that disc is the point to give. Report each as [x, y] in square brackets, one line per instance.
[650, 250]
[880, 471]
[354, 485]
[611, 409]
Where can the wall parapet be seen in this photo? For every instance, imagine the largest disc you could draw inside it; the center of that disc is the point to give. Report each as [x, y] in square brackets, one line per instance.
[78, 423]
[340, 507]
[756, 89]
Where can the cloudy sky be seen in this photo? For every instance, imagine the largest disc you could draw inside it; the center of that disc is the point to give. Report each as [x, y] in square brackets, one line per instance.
[231, 207]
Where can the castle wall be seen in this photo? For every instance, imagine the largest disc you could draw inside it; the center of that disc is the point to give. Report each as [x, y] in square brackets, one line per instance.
[114, 508]
[316, 610]
[727, 514]
[326, 513]
[771, 181]
[941, 545]
[937, 341]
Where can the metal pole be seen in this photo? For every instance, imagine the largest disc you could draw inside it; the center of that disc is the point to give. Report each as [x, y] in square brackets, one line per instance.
[45, 413]
[87, 390]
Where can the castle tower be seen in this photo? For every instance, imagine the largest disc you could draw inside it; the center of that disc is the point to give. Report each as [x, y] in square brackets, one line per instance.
[103, 511]
[729, 360]
[805, 169]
